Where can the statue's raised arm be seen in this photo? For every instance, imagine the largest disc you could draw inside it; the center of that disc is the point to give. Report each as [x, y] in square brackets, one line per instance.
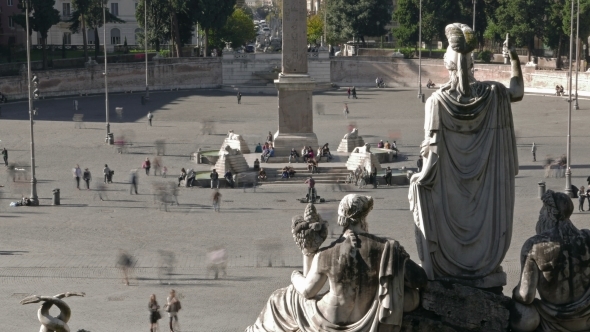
[516, 88]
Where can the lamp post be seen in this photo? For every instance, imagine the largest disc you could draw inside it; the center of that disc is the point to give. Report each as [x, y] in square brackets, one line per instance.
[420, 95]
[106, 85]
[474, 2]
[577, 54]
[568, 171]
[147, 85]
[34, 199]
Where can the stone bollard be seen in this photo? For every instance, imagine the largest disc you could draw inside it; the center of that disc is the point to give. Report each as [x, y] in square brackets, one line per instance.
[56, 197]
[541, 189]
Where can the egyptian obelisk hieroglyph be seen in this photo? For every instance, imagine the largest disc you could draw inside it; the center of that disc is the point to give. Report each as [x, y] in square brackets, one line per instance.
[294, 85]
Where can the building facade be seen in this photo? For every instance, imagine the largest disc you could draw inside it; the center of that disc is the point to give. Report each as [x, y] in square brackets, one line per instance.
[10, 33]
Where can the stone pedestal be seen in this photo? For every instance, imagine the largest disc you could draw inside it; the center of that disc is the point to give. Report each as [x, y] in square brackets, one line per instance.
[236, 163]
[359, 157]
[456, 308]
[295, 114]
[348, 144]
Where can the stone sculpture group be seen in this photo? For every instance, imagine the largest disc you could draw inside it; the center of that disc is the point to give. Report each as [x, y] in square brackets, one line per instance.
[48, 322]
[462, 202]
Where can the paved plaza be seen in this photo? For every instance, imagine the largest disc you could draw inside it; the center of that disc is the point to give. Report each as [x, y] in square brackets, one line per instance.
[48, 250]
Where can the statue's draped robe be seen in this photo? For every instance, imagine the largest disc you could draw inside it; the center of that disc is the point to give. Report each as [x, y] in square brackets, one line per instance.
[463, 200]
[286, 310]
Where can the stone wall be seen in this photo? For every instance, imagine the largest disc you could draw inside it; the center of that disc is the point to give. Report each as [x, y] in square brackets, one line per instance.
[362, 71]
[184, 73]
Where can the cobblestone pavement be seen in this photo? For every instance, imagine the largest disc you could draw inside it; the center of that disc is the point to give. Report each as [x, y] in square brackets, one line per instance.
[73, 247]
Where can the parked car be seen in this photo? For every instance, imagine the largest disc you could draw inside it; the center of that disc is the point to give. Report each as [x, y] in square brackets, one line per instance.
[249, 48]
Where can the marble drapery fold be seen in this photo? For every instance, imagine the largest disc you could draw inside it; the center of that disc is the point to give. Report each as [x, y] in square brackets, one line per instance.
[463, 200]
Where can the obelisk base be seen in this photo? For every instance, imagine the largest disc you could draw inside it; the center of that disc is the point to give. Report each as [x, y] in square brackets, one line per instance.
[295, 114]
[283, 143]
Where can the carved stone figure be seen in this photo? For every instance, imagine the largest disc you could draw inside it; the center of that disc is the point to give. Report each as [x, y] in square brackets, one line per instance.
[352, 135]
[363, 149]
[372, 280]
[234, 141]
[556, 264]
[48, 322]
[232, 136]
[463, 199]
[232, 152]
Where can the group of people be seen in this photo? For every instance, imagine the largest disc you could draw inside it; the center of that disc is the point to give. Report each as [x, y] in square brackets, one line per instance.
[379, 82]
[351, 93]
[559, 91]
[172, 307]
[430, 85]
[86, 176]
[582, 196]
[387, 145]
[555, 168]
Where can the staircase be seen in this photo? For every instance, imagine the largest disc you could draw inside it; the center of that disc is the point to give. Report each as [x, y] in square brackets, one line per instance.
[326, 175]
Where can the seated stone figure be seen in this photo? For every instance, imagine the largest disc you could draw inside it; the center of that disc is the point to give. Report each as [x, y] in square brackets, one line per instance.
[363, 149]
[556, 264]
[372, 280]
[352, 135]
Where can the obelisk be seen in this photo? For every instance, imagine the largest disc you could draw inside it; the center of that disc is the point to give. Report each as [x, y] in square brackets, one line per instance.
[294, 85]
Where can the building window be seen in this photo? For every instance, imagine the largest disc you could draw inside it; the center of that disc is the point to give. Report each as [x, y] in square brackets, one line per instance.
[115, 36]
[90, 36]
[66, 10]
[67, 38]
[10, 22]
[138, 35]
[115, 8]
[9, 2]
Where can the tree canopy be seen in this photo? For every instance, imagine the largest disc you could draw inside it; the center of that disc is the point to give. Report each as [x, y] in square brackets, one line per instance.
[315, 28]
[358, 18]
[238, 30]
[212, 15]
[42, 16]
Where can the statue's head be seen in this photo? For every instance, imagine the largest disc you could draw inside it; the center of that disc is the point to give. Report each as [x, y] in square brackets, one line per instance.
[353, 210]
[556, 207]
[457, 59]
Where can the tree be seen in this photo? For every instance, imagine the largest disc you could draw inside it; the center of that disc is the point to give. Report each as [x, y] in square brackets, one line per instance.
[42, 17]
[315, 28]
[238, 30]
[523, 19]
[158, 17]
[89, 15]
[557, 29]
[78, 22]
[212, 15]
[358, 18]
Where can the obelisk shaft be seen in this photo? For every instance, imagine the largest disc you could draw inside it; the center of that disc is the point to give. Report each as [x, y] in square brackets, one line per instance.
[294, 53]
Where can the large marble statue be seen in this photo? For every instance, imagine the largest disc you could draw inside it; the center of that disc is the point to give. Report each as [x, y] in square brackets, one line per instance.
[48, 322]
[463, 199]
[556, 264]
[372, 280]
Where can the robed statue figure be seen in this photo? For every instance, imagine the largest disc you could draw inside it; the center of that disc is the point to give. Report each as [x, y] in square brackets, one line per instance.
[463, 199]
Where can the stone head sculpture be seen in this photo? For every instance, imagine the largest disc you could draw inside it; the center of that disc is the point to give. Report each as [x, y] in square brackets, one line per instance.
[353, 210]
[457, 59]
[556, 207]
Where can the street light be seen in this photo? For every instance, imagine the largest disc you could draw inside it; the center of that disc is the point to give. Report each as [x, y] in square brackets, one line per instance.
[147, 85]
[33, 199]
[420, 95]
[474, 2]
[577, 54]
[568, 171]
[106, 86]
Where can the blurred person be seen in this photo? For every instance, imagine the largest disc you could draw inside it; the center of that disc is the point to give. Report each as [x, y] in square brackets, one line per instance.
[229, 178]
[387, 145]
[146, 165]
[190, 178]
[216, 201]
[77, 173]
[182, 176]
[5, 156]
[262, 174]
[100, 191]
[269, 137]
[173, 190]
[348, 93]
[304, 153]
[239, 97]
[173, 307]
[380, 145]
[293, 155]
[217, 261]
[214, 176]
[157, 166]
[534, 152]
[256, 165]
[312, 165]
[133, 181]
[125, 262]
[345, 111]
[354, 93]
[160, 147]
[107, 173]
[166, 263]
[87, 178]
[155, 315]
[581, 199]
[150, 116]
[388, 176]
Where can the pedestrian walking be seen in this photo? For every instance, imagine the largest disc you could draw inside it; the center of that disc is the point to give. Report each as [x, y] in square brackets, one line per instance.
[5, 156]
[150, 116]
[581, 199]
[173, 307]
[146, 165]
[155, 315]
[345, 111]
[125, 261]
[388, 176]
[133, 181]
[216, 201]
[420, 163]
[77, 173]
[214, 179]
[87, 177]
[354, 93]
[239, 97]
[348, 93]
[164, 171]
[534, 151]
[588, 180]
[107, 173]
